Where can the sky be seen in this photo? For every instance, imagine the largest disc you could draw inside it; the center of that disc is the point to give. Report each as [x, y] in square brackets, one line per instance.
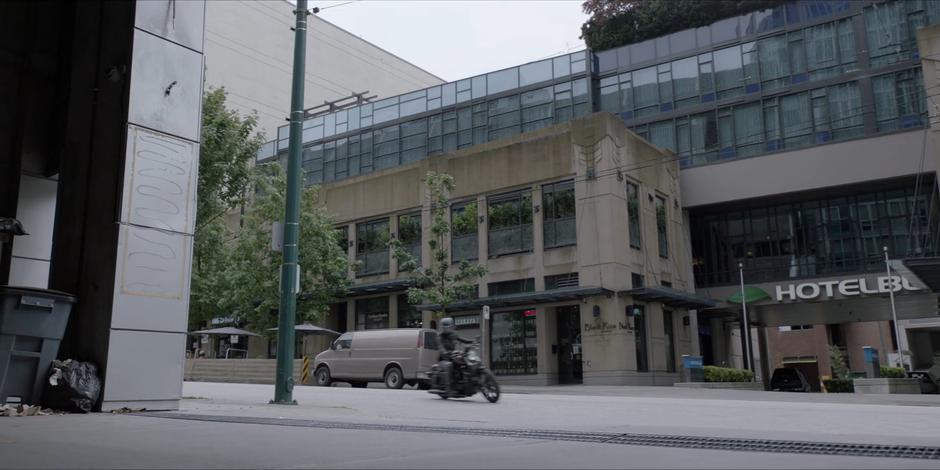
[457, 39]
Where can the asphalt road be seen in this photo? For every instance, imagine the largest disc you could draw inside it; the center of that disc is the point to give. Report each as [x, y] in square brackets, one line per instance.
[434, 433]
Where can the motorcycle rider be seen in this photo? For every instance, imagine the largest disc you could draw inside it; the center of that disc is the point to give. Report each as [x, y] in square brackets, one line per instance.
[449, 344]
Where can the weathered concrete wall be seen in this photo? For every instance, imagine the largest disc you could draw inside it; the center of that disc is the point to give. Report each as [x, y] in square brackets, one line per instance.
[249, 51]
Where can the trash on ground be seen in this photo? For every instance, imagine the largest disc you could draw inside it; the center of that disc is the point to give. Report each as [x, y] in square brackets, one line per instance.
[73, 386]
[25, 410]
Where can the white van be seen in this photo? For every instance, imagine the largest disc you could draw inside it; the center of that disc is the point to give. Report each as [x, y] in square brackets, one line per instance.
[395, 356]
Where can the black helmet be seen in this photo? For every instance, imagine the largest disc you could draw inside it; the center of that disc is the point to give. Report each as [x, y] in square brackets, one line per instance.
[447, 325]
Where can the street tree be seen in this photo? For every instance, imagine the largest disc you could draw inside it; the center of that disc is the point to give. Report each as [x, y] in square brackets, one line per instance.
[441, 283]
[251, 289]
[229, 144]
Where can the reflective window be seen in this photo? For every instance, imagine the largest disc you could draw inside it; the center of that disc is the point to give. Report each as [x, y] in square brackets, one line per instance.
[409, 233]
[503, 80]
[662, 222]
[633, 214]
[408, 315]
[558, 209]
[372, 247]
[510, 223]
[534, 73]
[513, 343]
[463, 239]
[899, 100]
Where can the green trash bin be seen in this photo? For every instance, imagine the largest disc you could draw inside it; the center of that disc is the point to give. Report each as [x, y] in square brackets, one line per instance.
[32, 323]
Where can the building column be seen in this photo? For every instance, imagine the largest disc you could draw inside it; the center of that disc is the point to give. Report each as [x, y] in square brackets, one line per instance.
[693, 331]
[351, 315]
[546, 335]
[764, 360]
[538, 238]
[393, 311]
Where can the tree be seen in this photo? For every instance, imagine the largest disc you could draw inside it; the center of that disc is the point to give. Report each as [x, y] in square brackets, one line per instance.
[614, 23]
[838, 363]
[440, 284]
[229, 145]
[251, 289]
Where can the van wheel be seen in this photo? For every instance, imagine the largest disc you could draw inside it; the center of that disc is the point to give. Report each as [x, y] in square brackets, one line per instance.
[394, 379]
[322, 377]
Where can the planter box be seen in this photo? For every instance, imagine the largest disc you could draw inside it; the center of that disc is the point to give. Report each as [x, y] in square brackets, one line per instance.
[722, 385]
[887, 386]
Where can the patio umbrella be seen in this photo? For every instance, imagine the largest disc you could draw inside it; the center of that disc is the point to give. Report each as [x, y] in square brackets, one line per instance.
[309, 329]
[226, 331]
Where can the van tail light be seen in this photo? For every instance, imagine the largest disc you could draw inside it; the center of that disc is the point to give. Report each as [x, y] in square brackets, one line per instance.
[420, 340]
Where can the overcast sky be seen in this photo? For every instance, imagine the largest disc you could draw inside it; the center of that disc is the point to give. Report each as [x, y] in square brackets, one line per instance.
[458, 39]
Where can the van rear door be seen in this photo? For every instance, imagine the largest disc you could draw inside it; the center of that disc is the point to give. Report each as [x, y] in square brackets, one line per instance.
[429, 352]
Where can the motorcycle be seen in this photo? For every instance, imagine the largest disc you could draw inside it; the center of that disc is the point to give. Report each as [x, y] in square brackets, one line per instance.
[469, 376]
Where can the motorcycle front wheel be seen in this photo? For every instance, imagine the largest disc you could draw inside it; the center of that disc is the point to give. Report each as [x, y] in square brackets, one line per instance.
[490, 388]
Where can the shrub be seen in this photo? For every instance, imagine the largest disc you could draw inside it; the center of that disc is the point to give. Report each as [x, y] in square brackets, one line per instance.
[726, 374]
[893, 372]
[839, 385]
[838, 362]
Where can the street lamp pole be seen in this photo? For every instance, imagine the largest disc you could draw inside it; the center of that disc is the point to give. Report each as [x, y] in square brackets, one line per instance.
[894, 311]
[290, 270]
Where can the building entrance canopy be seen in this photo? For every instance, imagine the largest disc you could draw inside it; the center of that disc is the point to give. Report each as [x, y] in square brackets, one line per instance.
[859, 298]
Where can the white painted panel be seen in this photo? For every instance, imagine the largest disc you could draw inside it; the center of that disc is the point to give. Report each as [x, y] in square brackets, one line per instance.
[144, 366]
[166, 86]
[151, 289]
[159, 181]
[179, 21]
[36, 210]
[27, 272]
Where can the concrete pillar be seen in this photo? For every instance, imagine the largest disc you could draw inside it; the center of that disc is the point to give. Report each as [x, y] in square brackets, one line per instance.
[393, 311]
[351, 315]
[693, 331]
[546, 333]
[538, 238]
[763, 361]
[126, 248]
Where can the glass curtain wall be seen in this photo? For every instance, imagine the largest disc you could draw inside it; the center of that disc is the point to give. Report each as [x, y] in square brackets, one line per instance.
[826, 236]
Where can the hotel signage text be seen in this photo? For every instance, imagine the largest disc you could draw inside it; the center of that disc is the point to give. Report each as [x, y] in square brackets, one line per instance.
[845, 288]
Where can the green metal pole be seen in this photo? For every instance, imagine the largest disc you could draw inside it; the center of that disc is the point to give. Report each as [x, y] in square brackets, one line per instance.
[290, 271]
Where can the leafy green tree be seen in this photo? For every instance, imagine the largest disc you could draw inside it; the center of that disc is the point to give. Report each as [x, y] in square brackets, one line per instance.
[440, 283]
[614, 23]
[251, 289]
[838, 362]
[229, 145]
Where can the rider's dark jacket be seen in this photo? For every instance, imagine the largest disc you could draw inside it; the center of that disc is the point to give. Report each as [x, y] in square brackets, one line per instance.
[450, 339]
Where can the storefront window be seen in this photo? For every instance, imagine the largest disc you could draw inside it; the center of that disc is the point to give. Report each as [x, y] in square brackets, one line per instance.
[408, 315]
[372, 313]
[639, 337]
[514, 343]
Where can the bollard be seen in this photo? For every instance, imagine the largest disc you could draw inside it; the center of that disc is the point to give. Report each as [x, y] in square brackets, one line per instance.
[305, 372]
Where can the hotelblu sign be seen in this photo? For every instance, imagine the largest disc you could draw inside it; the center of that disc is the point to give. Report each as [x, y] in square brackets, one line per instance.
[845, 288]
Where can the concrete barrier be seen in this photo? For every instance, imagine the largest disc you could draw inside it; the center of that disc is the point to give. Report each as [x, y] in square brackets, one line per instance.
[722, 385]
[887, 386]
[248, 371]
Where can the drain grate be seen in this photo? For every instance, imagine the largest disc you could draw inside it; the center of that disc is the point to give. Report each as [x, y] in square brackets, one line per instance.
[656, 440]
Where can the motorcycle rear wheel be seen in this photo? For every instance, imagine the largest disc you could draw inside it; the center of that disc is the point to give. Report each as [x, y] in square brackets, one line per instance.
[489, 388]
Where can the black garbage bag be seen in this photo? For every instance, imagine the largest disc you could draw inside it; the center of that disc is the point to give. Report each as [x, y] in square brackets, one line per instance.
[73, 386]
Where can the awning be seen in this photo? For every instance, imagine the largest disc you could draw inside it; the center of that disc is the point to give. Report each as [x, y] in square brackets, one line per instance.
[524, 298]
[379, 287]
[927, 270]
[309, 329]
[226, 331]
[668, 296]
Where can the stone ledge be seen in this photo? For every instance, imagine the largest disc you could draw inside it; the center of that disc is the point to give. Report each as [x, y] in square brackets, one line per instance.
[722, 385]
[887, 386]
